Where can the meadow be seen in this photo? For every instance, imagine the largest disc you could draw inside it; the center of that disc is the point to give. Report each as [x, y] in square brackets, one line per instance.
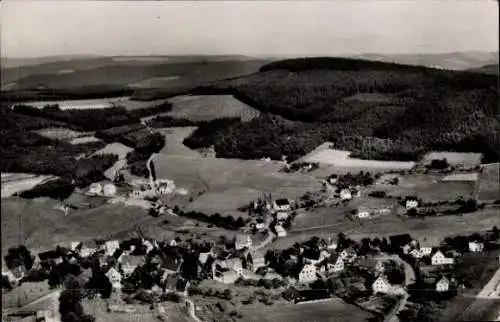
[455, 158]
[210, 107]
[332, 310]
[489, 183]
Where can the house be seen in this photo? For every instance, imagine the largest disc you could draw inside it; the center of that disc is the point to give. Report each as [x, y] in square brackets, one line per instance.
[443, 285]
[115, 278]
[416, 253]
[255, 260]
[304, 296]
[331, 244]
[170, 264]
[111, 246]
[308, 274]
[379, 267]
[439, 259]
[425, 248]
[243, 241]
[74, 245]
[260, 226]
[173, 242]
[345, 194]
[281, 215]
[129, 264]
[234, 264]
[226, 277]
[280, 231]
[363, 212]
[381, 285]
[203, 258]
[334, 263]
[281, 205]
[475, 246]
[411, 202]
[95, 188]
[109, 190]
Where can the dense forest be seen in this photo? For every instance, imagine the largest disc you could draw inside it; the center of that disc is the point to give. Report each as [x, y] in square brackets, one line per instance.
[377, 110]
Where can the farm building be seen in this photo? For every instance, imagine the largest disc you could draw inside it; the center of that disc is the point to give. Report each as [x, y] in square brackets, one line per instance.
[345, 194]
[281, 215]
[334, 263]
[109, 190]
[280, 231]
[95, 188]
[363, 212]
[115, 278]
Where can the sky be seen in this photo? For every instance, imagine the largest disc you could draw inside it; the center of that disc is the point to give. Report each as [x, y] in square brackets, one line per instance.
[44, 28]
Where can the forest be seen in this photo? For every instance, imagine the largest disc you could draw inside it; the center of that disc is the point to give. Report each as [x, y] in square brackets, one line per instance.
[398, 111]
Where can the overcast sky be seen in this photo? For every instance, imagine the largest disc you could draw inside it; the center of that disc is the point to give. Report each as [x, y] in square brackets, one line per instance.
[42, 28]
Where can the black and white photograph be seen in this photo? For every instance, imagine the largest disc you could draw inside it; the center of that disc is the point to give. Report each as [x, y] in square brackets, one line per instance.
[250, 161]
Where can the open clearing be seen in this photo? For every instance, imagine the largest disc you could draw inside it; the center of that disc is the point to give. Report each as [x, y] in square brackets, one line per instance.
[455, 158]
[115, 148]
[60, 133]
[13, 183]
[331, 310]
[210, 107]
[84, 139]
[430, 227]
[489, 183]
[174, 136]
[339, 158]
[224, 175]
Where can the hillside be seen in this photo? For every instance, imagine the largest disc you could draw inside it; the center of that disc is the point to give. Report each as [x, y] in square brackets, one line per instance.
[398, 111]
[487, 69]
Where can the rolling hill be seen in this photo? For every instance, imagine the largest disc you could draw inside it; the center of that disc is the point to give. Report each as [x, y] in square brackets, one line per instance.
[487, 69]
[398, 111]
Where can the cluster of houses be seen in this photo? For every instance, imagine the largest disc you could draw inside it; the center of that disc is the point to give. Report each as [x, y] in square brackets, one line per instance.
[266, 208]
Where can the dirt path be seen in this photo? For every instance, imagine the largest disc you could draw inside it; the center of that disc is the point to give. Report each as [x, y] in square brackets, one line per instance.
[492, 288]
[268, 240]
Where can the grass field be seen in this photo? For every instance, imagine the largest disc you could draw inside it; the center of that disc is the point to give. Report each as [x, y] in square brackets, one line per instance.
[455, 158]
[332, 310]
[173, 141]
[431, 227]
[339, 158]
[222, 176]
[428, 187]
[115, 148]
[209, 107]
[489, 183]
[61, 133]
[13, 183]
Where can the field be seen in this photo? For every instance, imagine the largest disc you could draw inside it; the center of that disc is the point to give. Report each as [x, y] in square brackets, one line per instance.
[24, 294]
[209, 107]
[222, 176]
[489, 183]
[430, 227]
[13, 183]
[115, 148]
[455, 158]
[173, 141]
[332, 310]
[428, 187]
[61, 133]
[339, 158]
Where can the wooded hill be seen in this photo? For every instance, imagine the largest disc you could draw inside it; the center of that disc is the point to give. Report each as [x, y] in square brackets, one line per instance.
[401, 111]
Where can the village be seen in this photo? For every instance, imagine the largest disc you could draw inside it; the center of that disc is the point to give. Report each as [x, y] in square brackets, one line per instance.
[380, 275]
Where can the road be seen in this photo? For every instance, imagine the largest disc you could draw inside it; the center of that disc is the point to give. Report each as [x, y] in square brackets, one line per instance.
[410, 276]
[393, 315]
[267, 241]
[492, 288]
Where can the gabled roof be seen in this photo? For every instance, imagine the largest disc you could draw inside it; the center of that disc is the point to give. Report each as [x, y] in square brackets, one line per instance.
[443, 279]
[112, 271]
[383, 279]
[171, 263]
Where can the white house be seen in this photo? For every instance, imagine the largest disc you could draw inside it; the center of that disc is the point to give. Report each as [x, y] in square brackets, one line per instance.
[115, 278]
[381, 285]
[109, 189]
[280, 231]
[281, 215]
[411, 203]
[439, 259]
[281, 205]
[111, 246]
[363, 212]
[243, 241]
[260, 226]
[345, 194]
[173, 242]
[308, 274]
[476, 246]
[95, 188]
[443, 285]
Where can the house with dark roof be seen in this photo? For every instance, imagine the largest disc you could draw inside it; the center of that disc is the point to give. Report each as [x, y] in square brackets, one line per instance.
[282, 204]
[171, 264]
[255, 260]
[333, 264]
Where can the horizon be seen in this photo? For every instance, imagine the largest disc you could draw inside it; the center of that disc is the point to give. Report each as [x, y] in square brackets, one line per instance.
[246, 28]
